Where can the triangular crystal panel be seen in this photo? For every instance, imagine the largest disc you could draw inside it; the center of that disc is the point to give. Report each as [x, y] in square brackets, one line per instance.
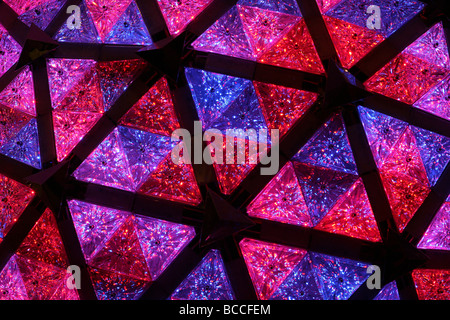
[432, 284]
[11, 122]
[352, 42]
[115, 76]
[106, 14]
[406, 78]
[436, 101]
[70, 128]
[130, 29]
[24, 147]
[329, 148]
[213, 92]
[144, 152]
[10, 51]
[161, 242]
[44, 243]
[11, 283]
[435, 152]
[300, 284]
[281, 200]
[437, 235]
[87, 33]
[432, 47]
[389, 292]
[115, 286]
[226, 36]
[173, 182]
[352, 216]
[269, 264]
[382, 132]
[94, 225]
[295, 51]
[264, 27]
[19, 94]
[338, 278]
[282, 106]
[107, 165]
[14, 199]
[208, 281]
[179, 14]
[42, 14]
[122, 253]
[283, 6]
[321, 188]
[154, 112]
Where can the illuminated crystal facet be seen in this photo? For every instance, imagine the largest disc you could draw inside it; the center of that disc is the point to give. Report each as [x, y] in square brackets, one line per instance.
[437, 235]
[432, 284]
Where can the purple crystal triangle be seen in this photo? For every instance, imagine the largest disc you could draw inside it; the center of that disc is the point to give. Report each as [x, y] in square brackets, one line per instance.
[24, 147]
[438, 234]
[382, 131]
[161, 242]
[300, 284]
[226, 36]
[9, 51]
[144, 151]
[329, 148]
[394, 13]
[283, 6]
[213, 92]
[435, 152]
[243, 113]
[11, 283]
[208, 281]
[107, 165]
[321, 187]
[19, 94]
[11, 122]
[86, 34]
[437, 100]
[42, 14]
[130, 29]
[389, 292]
[94, 225]
[338, 278]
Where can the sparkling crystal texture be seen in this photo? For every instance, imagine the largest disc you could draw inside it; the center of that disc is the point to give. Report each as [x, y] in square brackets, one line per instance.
[432, 284]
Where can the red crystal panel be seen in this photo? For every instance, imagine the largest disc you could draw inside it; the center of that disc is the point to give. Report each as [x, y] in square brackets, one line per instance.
[179, 14]
[432, 284]
[351, 41]
[406, 78]
[282, 106]
[295, 50]
[281, 200]
[154, 112]
[22, 6]
[352, 216]
[14, 197]
[173, 182]
[269, 264]
[19, 94]
[264, 27]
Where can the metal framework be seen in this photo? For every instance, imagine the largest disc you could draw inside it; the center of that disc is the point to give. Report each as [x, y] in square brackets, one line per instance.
[54, 184]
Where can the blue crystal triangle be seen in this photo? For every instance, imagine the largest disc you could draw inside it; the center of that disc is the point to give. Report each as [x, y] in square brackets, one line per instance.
[300, 284]
[144, 152]
[394, 13]
[208, 281]
[321, 188]
[43, 14]
[329, 148]
[435, 152]
[382, 132]
[283, 6]
[389, 292]
[338, 278]
[243, 113]
[87, 33]
[213, 92]
[24, 147]
[130, 29]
